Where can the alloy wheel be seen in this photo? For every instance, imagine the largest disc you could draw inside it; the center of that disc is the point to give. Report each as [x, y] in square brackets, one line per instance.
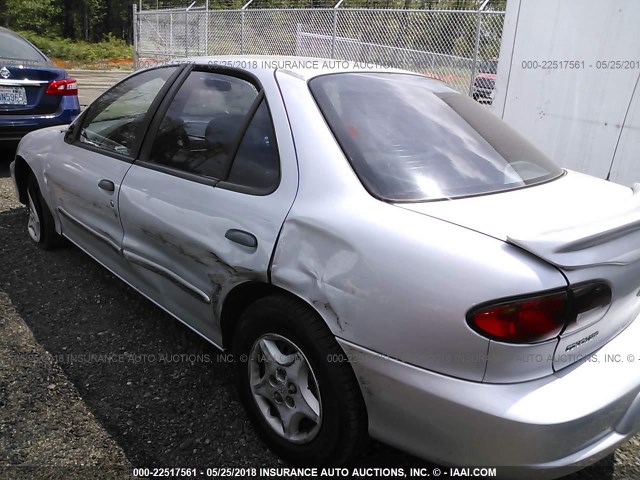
[33, 224]
[285, 388]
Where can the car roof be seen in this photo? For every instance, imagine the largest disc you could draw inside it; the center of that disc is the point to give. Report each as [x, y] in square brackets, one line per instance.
[7, 30]
[305, 68]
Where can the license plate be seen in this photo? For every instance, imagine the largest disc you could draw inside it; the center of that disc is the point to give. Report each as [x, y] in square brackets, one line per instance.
[13, 96]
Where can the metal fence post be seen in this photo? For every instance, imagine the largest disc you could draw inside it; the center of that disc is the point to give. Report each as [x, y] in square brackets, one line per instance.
[242, 32]
[335, 33]
[171, 50]
[206, 29]
[476, 48]
[335, 29]
[242, 10]
[186, 29]
[136, 30]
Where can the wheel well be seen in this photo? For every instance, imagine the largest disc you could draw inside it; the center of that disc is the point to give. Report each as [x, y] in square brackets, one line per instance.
[238, 300]
[22, 173]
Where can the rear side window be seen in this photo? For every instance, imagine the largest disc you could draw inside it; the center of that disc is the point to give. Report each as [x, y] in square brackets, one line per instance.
[14, 47]
[410, 139]
[203, 124]
[257, 165]
[218, 126]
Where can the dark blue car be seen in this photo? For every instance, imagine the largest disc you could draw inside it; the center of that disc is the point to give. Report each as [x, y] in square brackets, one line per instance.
[34, 93]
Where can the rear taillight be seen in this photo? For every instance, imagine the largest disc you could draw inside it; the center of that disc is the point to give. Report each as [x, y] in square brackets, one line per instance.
[68, 86]
[590, 301]
[527, 320]
[541, 317]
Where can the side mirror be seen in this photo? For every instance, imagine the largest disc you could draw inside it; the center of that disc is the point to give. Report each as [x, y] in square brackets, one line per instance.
[69, 134]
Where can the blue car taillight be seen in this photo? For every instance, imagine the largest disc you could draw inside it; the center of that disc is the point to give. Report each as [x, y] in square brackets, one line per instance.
[66, 87]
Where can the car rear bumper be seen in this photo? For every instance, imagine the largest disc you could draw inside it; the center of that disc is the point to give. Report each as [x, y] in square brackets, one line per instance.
[14, 127]
[544, 428]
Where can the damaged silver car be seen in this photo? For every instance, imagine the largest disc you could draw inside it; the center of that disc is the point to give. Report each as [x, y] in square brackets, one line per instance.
[382, 256]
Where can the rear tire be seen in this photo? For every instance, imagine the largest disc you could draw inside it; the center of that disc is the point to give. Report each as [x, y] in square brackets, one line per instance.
[296, 384]
[40, 226]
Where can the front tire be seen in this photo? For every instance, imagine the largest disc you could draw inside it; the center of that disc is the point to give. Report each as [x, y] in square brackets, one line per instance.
[40, 226]
[296, 385]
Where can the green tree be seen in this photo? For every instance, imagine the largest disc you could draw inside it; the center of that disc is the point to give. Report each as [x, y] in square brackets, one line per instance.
[35, 15]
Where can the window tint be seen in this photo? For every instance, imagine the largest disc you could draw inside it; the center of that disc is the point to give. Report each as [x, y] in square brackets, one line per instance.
[15, 47]
[203, 124]
[410, 139]
[115, 120]
[256, 164]
[488, 66]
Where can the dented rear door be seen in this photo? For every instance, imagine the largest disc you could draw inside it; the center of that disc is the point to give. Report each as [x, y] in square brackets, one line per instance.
[189, 236]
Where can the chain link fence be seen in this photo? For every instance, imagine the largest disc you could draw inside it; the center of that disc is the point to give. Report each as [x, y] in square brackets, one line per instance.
[457, 46]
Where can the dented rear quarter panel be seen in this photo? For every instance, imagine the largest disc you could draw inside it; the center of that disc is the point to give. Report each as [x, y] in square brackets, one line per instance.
[391, 280]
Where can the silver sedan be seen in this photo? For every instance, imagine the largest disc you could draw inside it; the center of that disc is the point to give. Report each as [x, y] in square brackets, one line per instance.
[382, 256]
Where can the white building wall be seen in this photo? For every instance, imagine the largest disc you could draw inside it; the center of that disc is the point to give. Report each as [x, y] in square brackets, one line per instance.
[586, 119]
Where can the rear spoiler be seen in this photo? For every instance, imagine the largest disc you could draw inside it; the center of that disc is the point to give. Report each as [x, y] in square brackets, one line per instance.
[614, 241]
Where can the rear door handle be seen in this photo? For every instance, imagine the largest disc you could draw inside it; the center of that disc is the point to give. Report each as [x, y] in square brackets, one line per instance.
[107, 185]
[241, 237]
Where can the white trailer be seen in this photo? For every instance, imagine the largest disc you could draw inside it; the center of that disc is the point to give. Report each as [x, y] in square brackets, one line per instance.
[568, 80]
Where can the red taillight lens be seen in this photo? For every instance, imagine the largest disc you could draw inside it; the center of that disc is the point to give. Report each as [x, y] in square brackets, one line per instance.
[528, 320]
[68, 86]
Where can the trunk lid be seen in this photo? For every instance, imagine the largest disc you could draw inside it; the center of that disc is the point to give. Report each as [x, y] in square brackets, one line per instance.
[587, 227]
[22, 88]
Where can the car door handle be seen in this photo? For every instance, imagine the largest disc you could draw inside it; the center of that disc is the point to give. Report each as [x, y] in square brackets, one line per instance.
[107, 185]
[242, 238]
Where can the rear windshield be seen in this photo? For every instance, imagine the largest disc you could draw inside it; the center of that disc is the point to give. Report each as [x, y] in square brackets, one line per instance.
[409, 138]
[490, 66]
[16, 48]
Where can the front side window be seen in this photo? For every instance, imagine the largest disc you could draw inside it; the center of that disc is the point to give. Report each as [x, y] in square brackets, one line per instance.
[410, 139]
[115, 121]
[208, 131]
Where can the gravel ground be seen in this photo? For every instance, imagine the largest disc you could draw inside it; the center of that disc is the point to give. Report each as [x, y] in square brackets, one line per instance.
[43, 420]
[131, 384]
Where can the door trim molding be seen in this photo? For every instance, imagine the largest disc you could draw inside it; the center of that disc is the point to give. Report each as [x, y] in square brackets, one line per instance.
[102, 236]
[168, 274]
